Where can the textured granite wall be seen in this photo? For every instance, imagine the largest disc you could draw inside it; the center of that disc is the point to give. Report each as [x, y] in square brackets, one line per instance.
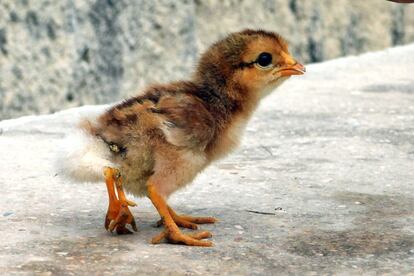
[317, 29]
[58, 54]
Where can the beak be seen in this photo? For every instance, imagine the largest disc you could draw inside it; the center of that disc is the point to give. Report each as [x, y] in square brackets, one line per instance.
[295, 69]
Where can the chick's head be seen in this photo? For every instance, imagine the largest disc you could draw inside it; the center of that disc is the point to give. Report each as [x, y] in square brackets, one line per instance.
[254, 60]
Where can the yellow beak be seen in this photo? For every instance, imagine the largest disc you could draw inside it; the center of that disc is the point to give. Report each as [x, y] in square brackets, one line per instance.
[295, 69]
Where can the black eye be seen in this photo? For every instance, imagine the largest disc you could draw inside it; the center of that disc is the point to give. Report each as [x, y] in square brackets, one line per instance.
[264, 59]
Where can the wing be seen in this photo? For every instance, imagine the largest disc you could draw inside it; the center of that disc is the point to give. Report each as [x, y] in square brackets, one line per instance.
[173, 109]
[185, 121]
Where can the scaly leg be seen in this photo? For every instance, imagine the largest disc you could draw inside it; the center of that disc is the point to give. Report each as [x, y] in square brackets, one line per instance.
[172, 233]
[187, 221]
[118, 215]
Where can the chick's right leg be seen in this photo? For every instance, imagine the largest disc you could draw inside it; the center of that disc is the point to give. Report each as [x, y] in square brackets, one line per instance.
[172, 233]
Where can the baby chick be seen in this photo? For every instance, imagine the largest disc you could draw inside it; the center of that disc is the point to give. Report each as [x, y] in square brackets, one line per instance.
[156, 143]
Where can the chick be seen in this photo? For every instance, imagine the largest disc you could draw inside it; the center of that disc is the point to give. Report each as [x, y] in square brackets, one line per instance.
[156, 143]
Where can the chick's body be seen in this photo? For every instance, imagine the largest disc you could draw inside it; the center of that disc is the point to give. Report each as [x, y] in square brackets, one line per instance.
[163, 138]
[168, 133]
[162, 134]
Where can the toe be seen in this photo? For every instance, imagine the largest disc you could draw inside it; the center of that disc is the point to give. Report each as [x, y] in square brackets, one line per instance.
[201, 235]
[158, 238]
[187, 240]
[186, 224]
[203, 220]
[177, 237]
[199, 220]
[134, 225]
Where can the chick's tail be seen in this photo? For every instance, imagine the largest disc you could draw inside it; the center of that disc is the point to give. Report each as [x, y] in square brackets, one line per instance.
[82, 157]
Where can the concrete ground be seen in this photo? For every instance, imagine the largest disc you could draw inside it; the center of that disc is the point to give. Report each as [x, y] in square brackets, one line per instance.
[322, 184]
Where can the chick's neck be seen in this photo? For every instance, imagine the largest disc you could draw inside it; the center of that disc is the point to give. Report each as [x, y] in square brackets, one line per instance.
[226, 99]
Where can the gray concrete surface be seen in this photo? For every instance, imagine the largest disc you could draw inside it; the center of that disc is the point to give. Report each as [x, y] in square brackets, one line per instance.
[330, 157]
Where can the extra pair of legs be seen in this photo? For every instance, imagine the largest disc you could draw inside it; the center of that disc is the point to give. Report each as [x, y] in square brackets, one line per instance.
[119, 215]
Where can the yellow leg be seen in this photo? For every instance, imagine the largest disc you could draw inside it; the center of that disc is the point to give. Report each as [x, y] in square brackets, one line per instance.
[172, 233]
[118, 215]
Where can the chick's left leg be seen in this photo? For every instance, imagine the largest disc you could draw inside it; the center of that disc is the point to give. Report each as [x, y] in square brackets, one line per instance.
[118, 215]
[172, 233]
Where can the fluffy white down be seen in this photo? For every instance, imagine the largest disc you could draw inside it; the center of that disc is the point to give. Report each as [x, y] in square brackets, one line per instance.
[82, 157]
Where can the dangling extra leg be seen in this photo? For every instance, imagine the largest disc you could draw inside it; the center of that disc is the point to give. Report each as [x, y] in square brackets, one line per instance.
[172, 233]
[118, 215]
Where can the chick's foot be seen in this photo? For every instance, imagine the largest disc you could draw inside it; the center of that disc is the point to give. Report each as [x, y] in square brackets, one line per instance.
[118, 215]
[172, 233]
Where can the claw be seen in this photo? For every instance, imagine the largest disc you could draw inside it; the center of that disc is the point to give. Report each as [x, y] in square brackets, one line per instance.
[159, 223]
[119, 223]
[118, 215]
[111, 226]
[131, 203]
[134, 226]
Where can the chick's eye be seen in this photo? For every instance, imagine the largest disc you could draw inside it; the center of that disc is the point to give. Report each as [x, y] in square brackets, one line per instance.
[264, 59]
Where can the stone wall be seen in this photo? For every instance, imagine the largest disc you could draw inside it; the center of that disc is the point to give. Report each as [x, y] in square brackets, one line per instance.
[317, 29]
[59, 54]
